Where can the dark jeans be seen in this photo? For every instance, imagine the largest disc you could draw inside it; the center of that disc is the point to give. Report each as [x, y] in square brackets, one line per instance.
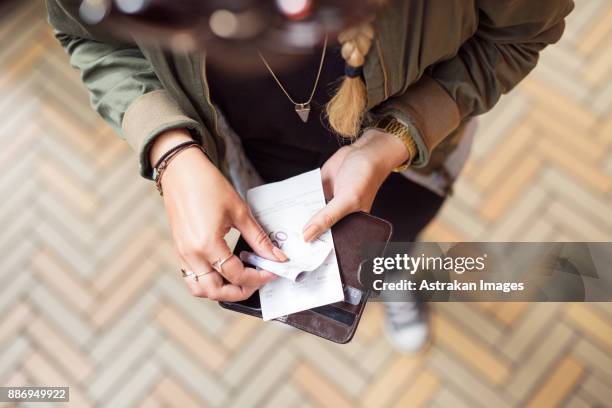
[407, 205]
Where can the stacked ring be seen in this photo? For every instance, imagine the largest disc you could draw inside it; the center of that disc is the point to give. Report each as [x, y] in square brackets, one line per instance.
[196, 277]
[218, 264]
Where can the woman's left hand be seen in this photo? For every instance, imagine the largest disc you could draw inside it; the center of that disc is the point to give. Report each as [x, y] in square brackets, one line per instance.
[352, 177]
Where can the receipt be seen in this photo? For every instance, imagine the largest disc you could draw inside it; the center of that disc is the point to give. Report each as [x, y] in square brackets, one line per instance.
[312, 274]
[294, 270]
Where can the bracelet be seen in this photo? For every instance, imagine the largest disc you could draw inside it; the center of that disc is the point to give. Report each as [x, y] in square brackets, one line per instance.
[163, 162]
[171, 151]
[389, 124]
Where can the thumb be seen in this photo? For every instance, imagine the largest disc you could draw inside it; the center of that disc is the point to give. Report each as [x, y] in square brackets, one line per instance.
[257, 238]
[334, 211]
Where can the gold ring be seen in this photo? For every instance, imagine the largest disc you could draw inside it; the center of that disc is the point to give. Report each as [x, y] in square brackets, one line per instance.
[218, 265]
[198, 276]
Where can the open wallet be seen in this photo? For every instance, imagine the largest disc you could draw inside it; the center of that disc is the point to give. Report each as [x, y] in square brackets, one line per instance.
[336, 322]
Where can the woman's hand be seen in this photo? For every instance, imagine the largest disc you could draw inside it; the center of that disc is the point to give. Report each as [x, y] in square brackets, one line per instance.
[202, 206]
[353, 175]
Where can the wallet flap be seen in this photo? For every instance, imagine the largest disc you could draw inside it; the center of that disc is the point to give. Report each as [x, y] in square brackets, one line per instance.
[352, 235]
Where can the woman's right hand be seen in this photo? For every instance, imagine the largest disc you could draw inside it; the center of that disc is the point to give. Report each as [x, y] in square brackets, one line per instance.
[202, 206]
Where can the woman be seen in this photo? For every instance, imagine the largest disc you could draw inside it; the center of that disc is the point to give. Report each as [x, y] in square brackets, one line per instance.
[410, 75]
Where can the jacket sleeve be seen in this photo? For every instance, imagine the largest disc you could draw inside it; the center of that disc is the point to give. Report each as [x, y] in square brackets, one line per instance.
[503, 50]
[124, 90]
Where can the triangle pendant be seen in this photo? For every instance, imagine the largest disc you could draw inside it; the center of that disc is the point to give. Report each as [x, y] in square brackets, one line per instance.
[303, 110]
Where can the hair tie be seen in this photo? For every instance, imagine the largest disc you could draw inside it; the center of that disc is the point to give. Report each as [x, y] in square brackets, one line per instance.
[352, 72]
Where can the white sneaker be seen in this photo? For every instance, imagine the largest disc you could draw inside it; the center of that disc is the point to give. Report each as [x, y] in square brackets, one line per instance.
[407, 326]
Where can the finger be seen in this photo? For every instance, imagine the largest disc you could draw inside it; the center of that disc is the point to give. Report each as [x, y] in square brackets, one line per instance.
[196, 267]
[335, 210]
[257, 238]
[235, 272]
[210, 283]
[233, 293]
[212, 286]
[197, 289]
[193, 262]
[233, 269]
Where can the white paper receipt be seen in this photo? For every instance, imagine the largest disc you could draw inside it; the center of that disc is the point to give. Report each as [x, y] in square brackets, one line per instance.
[311, 277]
[294, 270]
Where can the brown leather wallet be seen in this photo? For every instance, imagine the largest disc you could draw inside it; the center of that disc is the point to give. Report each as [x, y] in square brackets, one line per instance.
[355, 236]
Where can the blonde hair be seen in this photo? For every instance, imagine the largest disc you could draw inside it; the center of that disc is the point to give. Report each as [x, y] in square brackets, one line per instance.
[346, 109]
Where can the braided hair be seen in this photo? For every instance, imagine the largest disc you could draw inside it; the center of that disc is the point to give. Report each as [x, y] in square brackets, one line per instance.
[346, 109]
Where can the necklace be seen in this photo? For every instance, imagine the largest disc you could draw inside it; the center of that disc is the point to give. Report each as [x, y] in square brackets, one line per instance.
[302, 109]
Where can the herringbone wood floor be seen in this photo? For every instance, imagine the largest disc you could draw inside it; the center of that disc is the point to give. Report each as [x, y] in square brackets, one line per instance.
[90, 297]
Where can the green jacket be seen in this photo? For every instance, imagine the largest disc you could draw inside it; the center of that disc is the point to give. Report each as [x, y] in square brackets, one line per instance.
[434, 64]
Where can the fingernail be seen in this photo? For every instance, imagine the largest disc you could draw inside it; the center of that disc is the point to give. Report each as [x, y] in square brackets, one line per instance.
[310, 233]
[280, 255]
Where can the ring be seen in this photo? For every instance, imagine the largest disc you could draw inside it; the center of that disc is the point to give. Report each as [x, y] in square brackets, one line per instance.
[189, 274]
[198, 276]
[218, 265]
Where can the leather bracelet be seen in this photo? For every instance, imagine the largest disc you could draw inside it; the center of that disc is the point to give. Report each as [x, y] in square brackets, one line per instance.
[171, 151]
[166, 158]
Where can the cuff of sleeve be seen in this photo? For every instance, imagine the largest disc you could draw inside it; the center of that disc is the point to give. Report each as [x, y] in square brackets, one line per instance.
[430, 113]
[150, 115]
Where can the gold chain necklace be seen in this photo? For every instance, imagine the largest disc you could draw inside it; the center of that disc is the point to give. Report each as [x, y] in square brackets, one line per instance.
[302, 109]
